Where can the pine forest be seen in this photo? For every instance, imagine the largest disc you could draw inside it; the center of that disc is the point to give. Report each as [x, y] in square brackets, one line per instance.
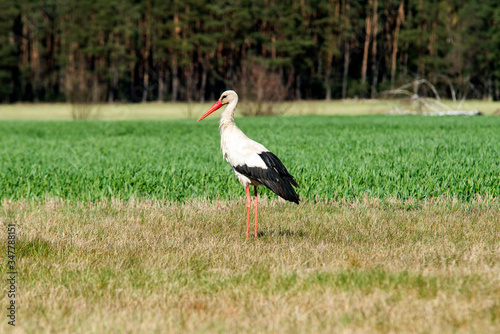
[191, 50]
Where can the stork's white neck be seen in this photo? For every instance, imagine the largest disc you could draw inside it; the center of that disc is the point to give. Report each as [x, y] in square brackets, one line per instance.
[227, 117]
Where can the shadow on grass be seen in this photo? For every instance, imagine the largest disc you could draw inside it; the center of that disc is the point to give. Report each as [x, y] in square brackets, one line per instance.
[37, 247]
[272, 232]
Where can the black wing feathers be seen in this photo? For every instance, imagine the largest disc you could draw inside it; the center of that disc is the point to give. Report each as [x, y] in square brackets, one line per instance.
[273, 162]
[275, 176]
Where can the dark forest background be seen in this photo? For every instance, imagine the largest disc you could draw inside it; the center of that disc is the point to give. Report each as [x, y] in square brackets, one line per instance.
[191, 50]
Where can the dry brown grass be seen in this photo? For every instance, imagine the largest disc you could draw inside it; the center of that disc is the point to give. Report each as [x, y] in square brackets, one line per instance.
[168, 111]
[358, 267]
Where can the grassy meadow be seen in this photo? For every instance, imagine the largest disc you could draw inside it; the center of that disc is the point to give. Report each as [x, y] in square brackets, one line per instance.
[362, 266]
[138, 225]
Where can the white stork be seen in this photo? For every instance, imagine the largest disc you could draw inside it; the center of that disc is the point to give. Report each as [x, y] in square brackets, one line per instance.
[252, 163]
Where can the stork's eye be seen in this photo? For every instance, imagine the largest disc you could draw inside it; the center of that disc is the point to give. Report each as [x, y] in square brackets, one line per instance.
[224, 97]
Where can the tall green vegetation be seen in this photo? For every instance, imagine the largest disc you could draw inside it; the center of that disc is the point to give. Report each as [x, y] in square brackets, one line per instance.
[94, 51]
[332, 157]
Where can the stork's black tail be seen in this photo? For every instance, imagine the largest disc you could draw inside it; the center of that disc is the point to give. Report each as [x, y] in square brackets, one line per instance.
[275, 176]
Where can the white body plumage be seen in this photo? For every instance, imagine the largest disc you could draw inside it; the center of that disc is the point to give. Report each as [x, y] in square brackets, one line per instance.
[237, 148]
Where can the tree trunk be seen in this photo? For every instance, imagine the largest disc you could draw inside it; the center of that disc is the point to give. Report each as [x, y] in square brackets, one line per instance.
[145, 83]
[297, 88]
[95, 87]
[175, 66]
[161, 84]
[495, 89]
[368, 34]
[346, 68]
[374, 49]
[399, 20]
[175, 79]
[17, 29]
[328, 71]
[204, 73]
[35, 66]
[146, 50]
[114, 85]
[189, 72]
[347, 48]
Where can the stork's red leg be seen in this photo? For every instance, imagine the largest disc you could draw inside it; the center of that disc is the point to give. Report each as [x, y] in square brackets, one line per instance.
[247, 189]
[255, 204]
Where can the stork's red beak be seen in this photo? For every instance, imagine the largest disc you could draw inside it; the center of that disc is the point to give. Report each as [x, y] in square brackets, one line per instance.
[213, 108]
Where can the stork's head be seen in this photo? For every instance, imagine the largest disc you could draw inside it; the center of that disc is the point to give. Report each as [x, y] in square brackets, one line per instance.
[227, 97]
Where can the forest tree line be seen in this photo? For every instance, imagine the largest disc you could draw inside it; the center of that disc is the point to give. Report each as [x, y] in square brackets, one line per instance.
[191, 50]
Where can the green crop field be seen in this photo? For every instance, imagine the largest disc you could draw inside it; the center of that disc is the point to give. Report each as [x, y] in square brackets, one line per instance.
[331, 157]
[138, 226]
